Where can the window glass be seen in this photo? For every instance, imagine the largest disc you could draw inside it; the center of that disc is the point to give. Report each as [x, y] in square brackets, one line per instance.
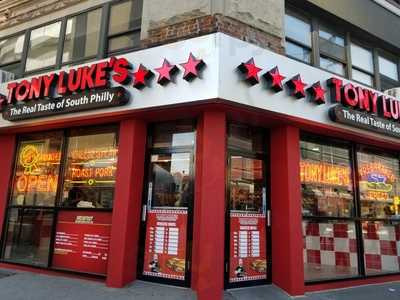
[298, 52]
[332, 65]
[362, 58]
[43, 45]
[124, 16]
[12, 68]
[362, 77]
[37, 169]
[298, 29]
[331, 43]
[11, 49]
[82, 36]
[125, 21]
[90, 169]
[28, 234]
[388, 68]
[245, 138]
[246, 184]
[381, 247]
[330, 249]
[170, 180]
[379, 186]
[124, 41]
[326, 184]
[387, 84]
[173, 134]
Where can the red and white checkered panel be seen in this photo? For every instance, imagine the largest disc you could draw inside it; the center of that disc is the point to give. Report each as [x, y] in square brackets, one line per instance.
[381, 247]
[332, 244]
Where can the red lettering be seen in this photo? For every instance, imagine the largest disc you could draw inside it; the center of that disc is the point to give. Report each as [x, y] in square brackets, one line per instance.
[335, 85]
[36, 88]
[22, 90]
[11, 88]
[74, 80]
[363, 99]
[62, 87]
[48, 81]
[350, 95]
[394, 108]
[121, 68]
[385, 110]
[87, 77]
[101, 78]
[374, 100]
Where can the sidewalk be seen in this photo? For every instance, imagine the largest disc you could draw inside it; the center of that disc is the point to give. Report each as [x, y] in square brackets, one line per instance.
[31, 286]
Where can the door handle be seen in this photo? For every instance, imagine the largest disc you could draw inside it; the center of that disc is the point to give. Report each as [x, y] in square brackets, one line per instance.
[144, 212]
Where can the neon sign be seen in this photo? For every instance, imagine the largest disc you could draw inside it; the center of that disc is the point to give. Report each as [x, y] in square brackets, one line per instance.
[324, 173]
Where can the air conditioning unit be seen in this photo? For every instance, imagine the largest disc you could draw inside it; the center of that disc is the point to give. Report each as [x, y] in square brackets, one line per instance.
[395, 92]
[6, 76]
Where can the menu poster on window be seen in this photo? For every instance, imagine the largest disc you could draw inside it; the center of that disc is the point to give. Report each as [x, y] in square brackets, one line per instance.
[82, 241]
[248, 259]
[165, 248]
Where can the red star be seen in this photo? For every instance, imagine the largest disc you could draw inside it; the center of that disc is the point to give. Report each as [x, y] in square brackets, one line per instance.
[317, 92]
[297, 85]
[141, 75]
[165, 72]
[251, 71]
[275, 78]
[192, 67]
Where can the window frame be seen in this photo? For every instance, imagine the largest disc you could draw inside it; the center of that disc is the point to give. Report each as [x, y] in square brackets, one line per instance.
[65, 133]
[350, 36]
[102, 51]
[356, 218]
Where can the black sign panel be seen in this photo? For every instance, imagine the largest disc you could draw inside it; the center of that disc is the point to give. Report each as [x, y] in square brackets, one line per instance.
[73, 103]
[364, 120]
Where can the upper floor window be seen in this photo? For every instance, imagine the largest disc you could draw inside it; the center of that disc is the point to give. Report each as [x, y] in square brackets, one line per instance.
[298, 37]
[313, 41]
[363, 64]
[388, 72]
[11, 53]
[73, 39]
[43, 44]
[124, 25]
[82, 36]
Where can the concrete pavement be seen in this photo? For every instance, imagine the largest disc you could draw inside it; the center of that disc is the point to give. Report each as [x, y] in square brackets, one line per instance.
[32, 286]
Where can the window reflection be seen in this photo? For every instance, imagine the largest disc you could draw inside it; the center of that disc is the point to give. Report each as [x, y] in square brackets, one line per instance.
[28, 236]
[379, 186]
[90, 170]
[246, 184]
[171, 180]
[173, 134]
[11, 49]
[37, 169]
[82, 36]
[325, 175]
[43, 45]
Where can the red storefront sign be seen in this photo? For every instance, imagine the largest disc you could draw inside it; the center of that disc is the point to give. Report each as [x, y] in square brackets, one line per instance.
[82, 241]
[248, 259]
[165, 248]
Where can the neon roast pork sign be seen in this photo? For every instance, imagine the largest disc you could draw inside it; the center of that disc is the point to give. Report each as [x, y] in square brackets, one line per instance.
[355, 105]
[86, 87]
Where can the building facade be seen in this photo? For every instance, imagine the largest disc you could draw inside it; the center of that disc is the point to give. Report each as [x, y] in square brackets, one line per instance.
[209, 144]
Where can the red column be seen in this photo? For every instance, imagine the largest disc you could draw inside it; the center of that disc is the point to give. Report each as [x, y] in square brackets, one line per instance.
[127, 204]
[7, 146]
[209, 207]
[287, 240]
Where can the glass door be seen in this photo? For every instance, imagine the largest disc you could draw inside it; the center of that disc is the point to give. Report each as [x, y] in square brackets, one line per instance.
[166, 214]
[247, 260]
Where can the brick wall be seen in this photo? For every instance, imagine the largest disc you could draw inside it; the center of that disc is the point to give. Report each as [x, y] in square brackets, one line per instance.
[213, 23]
[14, 12]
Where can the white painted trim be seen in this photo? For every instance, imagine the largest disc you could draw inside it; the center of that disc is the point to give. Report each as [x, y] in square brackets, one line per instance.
[389, 6]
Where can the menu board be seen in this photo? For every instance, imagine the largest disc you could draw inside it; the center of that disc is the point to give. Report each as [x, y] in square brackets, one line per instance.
[165, 247]
[248, 259]
[82, 241]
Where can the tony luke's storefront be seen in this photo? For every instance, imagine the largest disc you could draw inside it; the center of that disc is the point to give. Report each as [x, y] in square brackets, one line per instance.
[208, 163]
